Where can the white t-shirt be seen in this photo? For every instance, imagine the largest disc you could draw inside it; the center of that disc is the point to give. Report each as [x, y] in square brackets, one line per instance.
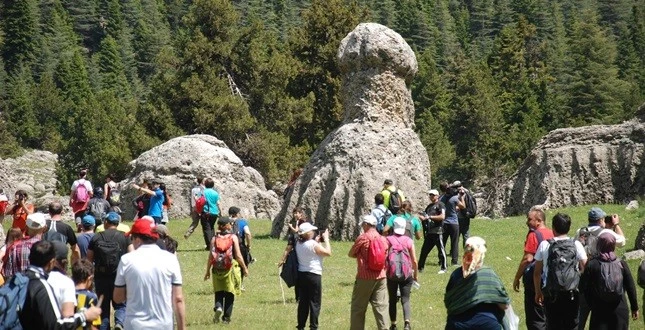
[308, 260]
[597, 231]
[63, 286]
[148, 274]
[543, 252]
[86, 183]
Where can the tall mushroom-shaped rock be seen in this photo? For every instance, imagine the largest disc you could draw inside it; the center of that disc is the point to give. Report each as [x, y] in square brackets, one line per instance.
[375, 142]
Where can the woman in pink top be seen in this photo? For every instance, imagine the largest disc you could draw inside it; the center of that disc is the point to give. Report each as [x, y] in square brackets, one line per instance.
[402, 271]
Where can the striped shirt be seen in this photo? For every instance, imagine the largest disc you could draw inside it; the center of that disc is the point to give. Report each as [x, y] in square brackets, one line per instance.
[360, 251]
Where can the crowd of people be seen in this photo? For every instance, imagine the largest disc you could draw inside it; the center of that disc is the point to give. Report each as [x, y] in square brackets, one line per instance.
[132, 273]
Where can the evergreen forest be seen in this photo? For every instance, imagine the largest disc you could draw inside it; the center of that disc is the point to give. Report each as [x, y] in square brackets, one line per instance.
[100, 81]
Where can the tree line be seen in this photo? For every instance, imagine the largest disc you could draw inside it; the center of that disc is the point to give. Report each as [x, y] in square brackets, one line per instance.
[100, 81]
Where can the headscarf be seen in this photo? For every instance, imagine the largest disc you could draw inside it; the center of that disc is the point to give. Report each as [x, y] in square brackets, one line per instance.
[606, 245]
[474, 253]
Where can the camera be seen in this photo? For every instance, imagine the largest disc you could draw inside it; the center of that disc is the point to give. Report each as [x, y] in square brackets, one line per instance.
[21, 197]
[609, 221]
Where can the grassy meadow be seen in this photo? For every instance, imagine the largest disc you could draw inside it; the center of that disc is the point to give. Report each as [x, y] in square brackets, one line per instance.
[261, 305]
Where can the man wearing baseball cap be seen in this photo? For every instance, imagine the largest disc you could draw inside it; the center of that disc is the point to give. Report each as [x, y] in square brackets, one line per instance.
[149, 279]
[105, 250]
[432, 221]
[370, 285]
[18, 253]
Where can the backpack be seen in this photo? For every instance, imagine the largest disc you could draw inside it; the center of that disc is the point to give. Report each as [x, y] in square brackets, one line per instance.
[222, 252]
[399, 266]
[199, 204]
[289, 272]
[81, 194]
[395, 201]
[376, 254]
[107, 254]
[589, 240]
[380, 221]
[471, 206]
[527, 278]
[12, 299]
[97, 209]
[52, 234]
[563, 274]
[610, 288]
[114, 197]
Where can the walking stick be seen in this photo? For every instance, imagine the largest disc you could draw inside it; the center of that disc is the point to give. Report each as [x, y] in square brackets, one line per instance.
[284, 302]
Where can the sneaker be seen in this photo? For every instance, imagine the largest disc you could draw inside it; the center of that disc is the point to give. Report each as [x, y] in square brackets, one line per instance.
[226, 321]
[393, 327]
[218, 315]
[118, 326]
[420, 270]
[443, 271]
[187, 234]
[407, 326]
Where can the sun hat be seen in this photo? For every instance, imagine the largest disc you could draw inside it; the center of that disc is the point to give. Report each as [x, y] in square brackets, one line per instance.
[399, 225]
[369, 219]
[305, 228]
[36, 221]
[433, 192]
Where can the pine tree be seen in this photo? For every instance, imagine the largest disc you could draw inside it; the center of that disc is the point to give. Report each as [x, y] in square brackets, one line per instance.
[87, 22]
[18, 20]
[19, 111]
[111, 68]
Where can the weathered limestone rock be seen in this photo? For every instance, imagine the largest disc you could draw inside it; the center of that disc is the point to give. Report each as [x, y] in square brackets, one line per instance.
[634, 255]
[179, 161]
[633, 205]
[577, 166]
[374, 143]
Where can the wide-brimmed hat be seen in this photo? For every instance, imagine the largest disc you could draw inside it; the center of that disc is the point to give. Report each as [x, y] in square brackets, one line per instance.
[305, 228]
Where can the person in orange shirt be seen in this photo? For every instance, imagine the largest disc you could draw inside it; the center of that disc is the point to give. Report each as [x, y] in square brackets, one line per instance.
[20, 210]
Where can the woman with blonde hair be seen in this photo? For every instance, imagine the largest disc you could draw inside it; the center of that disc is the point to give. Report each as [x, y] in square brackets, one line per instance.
[475, 296]
[310, 254]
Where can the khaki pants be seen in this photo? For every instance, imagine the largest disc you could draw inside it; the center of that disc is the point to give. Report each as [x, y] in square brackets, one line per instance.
[375, 293]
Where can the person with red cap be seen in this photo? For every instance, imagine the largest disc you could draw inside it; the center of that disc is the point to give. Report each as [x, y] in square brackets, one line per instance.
[149, 280]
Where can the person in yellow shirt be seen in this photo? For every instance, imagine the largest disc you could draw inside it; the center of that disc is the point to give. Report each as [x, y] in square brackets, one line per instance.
[388, 189]
[114, 217]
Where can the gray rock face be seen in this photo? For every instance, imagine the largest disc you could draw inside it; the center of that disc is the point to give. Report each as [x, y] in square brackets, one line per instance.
[577, 166]
[179, 161]
[35, 173]
[374, 143]
[634, 255]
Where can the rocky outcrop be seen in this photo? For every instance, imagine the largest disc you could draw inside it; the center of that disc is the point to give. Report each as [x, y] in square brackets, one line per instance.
[179, 161]
[577, 166]
[35, 173]
[374, 143]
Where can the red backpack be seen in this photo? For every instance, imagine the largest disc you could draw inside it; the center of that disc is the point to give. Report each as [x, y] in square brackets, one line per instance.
[376, 254]
[222, 252]
[199, 204]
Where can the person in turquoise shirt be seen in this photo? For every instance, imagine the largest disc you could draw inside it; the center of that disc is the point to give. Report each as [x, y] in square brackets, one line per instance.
[155, 210]
[211, 211]
[415, 229]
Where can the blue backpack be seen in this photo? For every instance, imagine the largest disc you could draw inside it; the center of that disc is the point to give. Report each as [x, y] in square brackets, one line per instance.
[12, 299]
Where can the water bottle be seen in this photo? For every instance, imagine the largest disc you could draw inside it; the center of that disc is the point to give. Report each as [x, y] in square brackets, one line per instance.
[416, 285]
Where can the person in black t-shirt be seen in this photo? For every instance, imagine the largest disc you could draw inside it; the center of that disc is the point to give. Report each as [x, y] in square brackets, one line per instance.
[432, 222]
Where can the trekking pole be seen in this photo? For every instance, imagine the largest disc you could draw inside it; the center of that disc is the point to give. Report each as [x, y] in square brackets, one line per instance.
[284, 301]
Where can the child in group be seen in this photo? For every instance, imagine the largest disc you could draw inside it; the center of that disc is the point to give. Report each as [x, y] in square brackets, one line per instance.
[83, 277]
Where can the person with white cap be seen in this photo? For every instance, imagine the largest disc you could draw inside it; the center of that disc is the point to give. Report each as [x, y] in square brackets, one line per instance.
[310, 255]
[401, 247]
[370, 285]
[18, 253]
[432, 220]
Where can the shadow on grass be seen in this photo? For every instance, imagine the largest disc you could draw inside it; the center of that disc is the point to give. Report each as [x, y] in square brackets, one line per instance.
[191, 250]
[263, 236]
[278, 301]
[346, 284]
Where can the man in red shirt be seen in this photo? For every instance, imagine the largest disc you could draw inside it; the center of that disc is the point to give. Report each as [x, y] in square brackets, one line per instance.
[538, 232]
[370, 286]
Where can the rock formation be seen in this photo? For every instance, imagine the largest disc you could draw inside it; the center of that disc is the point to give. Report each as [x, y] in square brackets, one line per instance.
[179, 161]
[35, 173]
[577, 166]
[375, 141]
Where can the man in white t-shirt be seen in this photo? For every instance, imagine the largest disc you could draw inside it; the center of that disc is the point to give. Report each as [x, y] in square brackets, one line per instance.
[561, 310]
[149, 279]
[64, 288]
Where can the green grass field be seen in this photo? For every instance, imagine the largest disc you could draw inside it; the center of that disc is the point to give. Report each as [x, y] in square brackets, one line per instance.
[262, 307]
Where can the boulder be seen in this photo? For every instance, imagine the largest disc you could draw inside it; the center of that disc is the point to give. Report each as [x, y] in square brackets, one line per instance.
[633, 205]
[634, 255]
[179, 161]
[577, 166]
[375, 142]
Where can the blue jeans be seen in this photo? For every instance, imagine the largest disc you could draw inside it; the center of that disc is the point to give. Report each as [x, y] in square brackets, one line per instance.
[157, 220]
[105, 288]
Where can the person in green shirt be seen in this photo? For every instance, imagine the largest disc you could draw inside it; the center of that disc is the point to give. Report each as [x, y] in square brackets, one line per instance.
[388, 189]
[414, 229]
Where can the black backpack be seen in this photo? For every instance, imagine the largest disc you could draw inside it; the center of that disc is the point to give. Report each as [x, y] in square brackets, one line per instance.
[107, 254]
[471, 206]
[289, 272]
[640, 277]
[610, 288]
[563, 274]
[395, 201]
[52, 234]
